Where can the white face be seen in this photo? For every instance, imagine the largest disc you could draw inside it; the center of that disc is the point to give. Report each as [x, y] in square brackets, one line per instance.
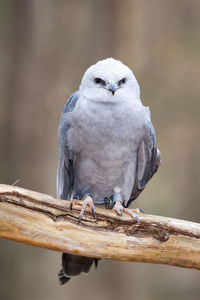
[109, 81]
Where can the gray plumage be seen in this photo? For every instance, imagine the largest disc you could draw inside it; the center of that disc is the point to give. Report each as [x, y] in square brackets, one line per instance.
[106, 141]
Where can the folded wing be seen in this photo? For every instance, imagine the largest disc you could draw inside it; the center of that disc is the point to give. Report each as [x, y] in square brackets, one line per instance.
[148, 162]
[65, 164]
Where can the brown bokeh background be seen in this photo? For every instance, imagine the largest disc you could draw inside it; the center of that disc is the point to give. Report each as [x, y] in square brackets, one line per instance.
[45, 48]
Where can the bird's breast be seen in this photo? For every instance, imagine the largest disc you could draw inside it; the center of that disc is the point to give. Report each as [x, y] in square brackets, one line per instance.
[107, 127]
[105, 139]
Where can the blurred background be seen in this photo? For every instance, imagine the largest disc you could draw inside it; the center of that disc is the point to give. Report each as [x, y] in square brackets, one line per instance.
[45, 48]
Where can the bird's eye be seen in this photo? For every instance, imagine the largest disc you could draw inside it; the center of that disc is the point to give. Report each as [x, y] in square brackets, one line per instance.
[122, 81]
[99, 81]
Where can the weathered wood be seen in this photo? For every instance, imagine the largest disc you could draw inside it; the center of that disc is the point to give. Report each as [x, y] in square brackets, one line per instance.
[43, 221]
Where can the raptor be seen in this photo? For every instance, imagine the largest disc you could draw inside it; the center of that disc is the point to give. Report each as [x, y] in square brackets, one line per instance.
[107, 148]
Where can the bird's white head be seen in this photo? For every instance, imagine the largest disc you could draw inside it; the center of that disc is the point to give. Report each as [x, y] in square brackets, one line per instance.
[109, 80]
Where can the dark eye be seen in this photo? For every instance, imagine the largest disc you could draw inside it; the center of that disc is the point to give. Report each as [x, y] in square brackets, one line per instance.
[99, 81]
[122, 81]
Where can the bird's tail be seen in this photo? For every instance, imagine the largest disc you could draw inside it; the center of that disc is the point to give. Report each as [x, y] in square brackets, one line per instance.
[73, 265]
[62, 278]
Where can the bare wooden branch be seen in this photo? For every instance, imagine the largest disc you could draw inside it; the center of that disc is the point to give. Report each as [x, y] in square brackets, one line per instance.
[43, 221]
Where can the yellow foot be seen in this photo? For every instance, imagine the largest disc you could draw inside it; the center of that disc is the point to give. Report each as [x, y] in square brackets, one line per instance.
[88, 201]
[118, 207]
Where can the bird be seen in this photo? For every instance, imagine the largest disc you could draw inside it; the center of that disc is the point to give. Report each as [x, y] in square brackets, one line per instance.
[107, 148]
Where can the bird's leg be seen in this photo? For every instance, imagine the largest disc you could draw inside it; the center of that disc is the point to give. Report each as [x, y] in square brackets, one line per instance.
[118, 207]
[86, 200]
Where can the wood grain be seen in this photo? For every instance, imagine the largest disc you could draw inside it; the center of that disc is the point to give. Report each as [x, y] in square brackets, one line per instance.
[44, 221]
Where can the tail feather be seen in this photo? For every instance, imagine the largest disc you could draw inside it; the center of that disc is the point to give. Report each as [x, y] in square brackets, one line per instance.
[62, 278]
[96, 261]
[73, 265]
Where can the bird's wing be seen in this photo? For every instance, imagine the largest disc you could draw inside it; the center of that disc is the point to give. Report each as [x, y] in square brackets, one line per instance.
[148, 161]
[65, 164]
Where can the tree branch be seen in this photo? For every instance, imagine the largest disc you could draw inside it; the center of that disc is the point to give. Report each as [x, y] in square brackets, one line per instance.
[43, 221]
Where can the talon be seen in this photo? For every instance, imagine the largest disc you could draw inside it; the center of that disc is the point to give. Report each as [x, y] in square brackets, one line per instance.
[79, 219]
[118, 208]
[88, 201]
[121, 211]
[70, 206]
[72, 201]
[93, 212]
[137, 219]
[132, 212]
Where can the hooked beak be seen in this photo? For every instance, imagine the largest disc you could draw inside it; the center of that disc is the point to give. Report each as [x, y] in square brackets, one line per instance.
[112, 88]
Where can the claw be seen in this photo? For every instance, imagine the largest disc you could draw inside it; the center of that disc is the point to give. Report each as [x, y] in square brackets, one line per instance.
[132, 212]
[134, 215]
[137, 219]
[72, 201]
[121, 211]
[118, 208]
[79, 219]
[88, 201]
[93, 212]
[70, 206]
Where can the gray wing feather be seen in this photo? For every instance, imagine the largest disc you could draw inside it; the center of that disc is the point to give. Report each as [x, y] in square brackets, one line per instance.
[148, 161]
[65, 164]
[146, 157]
